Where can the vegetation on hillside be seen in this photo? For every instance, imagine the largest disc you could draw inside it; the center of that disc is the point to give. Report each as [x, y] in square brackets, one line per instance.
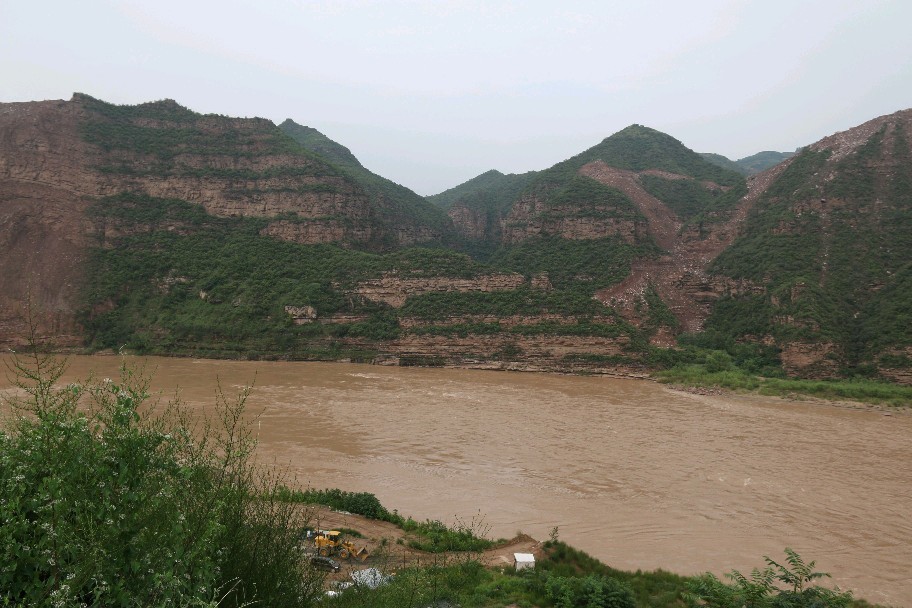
[724, 162]
[834, 256]
[749, 165]
[761, 161]
[569, 194]
[163, 139]
[492, 191]
[638, 148]
[403, 206]
[690, 199]
[181, 281]
[319, 144]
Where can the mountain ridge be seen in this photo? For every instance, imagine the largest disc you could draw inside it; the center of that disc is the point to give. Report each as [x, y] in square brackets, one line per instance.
[189, 233]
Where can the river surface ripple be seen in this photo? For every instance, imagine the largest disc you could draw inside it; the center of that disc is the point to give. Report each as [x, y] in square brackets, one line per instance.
[635, 474]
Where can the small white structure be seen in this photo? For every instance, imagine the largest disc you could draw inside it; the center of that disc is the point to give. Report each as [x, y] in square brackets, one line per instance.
[521, 561]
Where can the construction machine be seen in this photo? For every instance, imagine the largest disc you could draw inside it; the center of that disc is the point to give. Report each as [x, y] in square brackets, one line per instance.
[331, 542]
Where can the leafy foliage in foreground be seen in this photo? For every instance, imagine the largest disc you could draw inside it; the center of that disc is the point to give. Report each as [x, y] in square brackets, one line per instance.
[788, 585]
[105, 503]
[436, 537]
[566, 577]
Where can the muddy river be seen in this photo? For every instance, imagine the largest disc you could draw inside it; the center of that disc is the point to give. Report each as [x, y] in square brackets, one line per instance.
[636, 474]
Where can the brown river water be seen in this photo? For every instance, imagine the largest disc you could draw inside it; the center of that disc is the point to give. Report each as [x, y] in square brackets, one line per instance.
[632, 472]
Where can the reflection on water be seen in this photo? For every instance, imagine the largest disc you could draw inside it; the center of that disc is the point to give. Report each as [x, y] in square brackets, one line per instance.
[633, 473]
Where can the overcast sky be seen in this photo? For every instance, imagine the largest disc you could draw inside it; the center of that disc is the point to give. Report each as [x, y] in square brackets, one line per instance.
[430, 94]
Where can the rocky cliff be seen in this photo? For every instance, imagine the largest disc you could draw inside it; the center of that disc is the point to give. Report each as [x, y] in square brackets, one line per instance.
[58, 158]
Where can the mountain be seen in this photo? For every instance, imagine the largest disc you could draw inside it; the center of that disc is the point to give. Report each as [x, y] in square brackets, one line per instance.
[724, 162]
[82, 176]
[402, 207]
[827, 248]
[749, 165]
[477, 206]
[608, 190]
[161, 230]
[761, 161]
[490, 190]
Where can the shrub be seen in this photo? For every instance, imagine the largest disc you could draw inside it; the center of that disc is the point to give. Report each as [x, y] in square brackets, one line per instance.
[589, 592]
[107, 503]
[776, 586]
[436, 537]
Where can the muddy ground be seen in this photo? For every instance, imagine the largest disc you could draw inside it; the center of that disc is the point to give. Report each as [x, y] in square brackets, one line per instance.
[388, 549]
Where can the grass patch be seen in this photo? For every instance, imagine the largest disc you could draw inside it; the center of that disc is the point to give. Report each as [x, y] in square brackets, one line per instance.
[434, 536]
[862, 390]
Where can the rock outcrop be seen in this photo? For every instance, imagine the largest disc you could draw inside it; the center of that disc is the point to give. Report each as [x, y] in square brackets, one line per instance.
[530, 217]
[394, 290]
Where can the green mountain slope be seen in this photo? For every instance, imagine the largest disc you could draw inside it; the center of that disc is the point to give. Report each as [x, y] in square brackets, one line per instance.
[250, 167]
[680, 178]
[638, 148]
[220, 236]
[319, 144]
[831, 243]
[403, 205]
[761, 161]
[490, 191]
[724, 162]
[749, 165]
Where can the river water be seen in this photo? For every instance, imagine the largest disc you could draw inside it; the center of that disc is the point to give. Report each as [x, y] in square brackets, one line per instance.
[636, 474]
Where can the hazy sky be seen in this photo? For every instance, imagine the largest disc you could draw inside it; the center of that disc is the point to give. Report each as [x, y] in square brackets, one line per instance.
[430, 94]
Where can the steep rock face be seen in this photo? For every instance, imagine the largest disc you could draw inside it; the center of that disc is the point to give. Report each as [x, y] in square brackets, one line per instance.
[393, 290]
[470, 223]
[503, 321]
[232, 167]
[547, 351]
[45, 187]
[408, 218]
[681, 277]
[319, 230]
[662, 224]
[811, 359]
[531, 217]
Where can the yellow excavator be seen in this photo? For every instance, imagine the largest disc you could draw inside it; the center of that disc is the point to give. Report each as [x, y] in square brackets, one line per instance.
[331, 542]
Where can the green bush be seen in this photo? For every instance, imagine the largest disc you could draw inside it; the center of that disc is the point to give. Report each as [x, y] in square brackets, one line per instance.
[359, 503]
[105, 502]
[778, 585]
[592, 591]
